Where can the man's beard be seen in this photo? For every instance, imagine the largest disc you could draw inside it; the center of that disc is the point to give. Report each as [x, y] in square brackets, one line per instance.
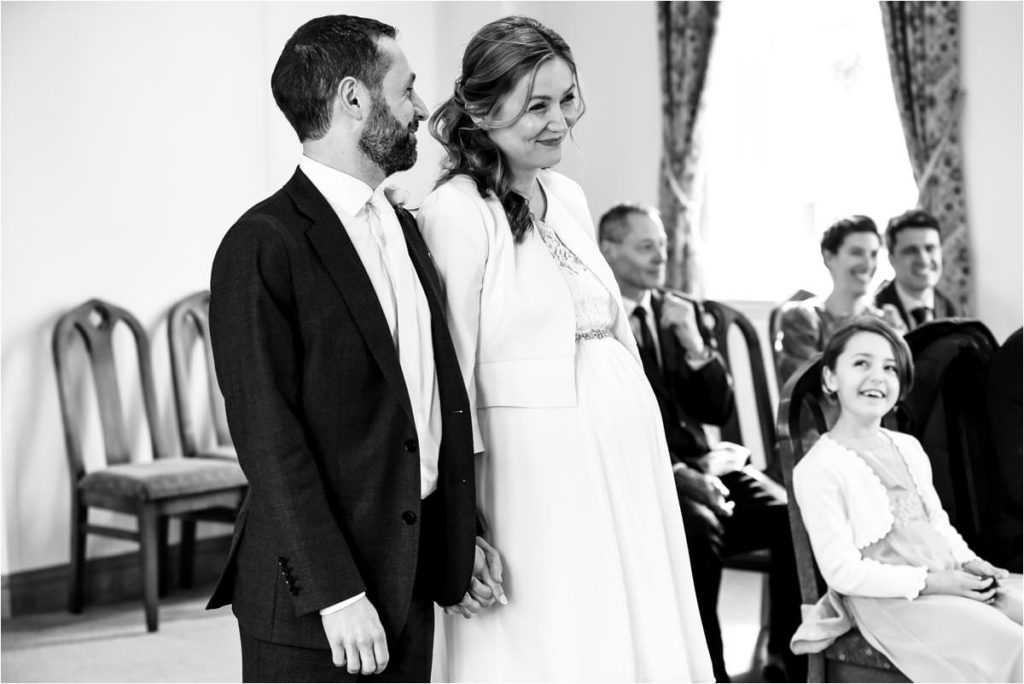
[386, 142]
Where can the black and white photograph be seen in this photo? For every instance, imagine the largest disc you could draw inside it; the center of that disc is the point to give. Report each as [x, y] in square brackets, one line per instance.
[511, 341]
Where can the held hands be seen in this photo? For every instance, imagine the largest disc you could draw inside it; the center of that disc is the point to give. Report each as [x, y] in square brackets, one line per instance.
[485, 586]
[681, 316]
[706, 489]
[357, 638]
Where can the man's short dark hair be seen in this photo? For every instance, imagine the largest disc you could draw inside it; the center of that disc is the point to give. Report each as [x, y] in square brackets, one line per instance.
[614, 226]
[833, 238]
[321, 53]
[913, 218]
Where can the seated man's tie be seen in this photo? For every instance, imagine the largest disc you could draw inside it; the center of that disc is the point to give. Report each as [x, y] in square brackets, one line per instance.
[922, 314]
[648, 355]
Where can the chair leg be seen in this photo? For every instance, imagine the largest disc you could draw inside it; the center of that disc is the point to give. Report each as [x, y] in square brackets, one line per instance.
[816, 667]
[79, 520]
[149, 552]
[163, 557]
[188, 550]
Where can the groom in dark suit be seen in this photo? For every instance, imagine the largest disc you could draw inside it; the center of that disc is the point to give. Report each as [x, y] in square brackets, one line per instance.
[343, 393]
[727, 505]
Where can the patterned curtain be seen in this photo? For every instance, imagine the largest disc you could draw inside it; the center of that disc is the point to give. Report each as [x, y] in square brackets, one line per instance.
[924, 56]
[685, 33]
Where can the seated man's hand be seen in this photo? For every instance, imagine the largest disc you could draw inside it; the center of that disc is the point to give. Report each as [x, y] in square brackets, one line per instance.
[357, 638]
[707, 489]
[681, 316]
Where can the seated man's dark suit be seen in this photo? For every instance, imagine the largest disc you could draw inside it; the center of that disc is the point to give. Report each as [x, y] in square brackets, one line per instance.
[690, 398]
[944, 307]
[321, 419]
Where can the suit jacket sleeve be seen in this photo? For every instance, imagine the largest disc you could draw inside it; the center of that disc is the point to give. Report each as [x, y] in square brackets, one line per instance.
[256, 349]
[798, 338]
[704, 393]
[454, 228]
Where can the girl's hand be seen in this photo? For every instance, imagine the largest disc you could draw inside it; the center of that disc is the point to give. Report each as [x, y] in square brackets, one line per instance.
[960, 583]
[984, 569]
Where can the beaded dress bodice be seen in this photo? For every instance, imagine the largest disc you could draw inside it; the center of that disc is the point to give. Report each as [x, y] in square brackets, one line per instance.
[594, 306]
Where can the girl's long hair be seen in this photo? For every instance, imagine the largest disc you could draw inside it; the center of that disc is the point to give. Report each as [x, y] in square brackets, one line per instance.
[496, 59]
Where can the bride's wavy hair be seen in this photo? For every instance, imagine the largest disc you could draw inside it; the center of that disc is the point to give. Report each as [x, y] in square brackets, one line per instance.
[496, 59]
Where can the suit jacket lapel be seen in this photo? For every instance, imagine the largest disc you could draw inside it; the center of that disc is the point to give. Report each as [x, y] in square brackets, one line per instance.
[332, 244]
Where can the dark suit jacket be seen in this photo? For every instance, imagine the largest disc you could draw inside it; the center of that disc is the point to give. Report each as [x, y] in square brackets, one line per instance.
[944, 307]
[689, 398]
[322, 423]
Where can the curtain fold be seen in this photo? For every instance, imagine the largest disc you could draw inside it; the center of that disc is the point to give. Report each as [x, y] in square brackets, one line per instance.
[923, 39]
[685, 34]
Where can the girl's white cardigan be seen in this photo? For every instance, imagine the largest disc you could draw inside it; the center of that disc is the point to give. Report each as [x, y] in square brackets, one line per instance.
[845, 508]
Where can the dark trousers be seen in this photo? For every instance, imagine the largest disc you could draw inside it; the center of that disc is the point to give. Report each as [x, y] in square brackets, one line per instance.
[410, 656]
[759, 520]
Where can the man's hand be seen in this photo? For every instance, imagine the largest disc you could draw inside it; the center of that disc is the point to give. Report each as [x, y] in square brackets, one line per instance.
[485, 585]
[681, 316]
[357, 638]
[706, 489]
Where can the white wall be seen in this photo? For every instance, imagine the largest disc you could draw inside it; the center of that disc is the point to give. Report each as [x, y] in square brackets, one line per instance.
[992, 137]
[134, 134]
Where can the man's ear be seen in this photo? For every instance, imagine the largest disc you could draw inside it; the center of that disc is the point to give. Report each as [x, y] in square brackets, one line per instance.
[353, 98]
[607, 248]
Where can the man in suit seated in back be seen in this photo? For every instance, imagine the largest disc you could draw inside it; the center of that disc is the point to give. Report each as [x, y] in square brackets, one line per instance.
[728, 506]
[914, 242]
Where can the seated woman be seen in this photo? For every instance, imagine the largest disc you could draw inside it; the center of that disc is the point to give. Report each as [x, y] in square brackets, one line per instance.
[850, 251]
[895, 566]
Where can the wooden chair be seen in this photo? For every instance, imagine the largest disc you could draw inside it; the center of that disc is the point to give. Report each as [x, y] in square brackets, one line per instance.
[725, 319]
[188, 326]
[851, 658]
[151, 491]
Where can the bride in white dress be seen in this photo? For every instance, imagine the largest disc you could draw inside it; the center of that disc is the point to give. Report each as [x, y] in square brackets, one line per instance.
[574, 475]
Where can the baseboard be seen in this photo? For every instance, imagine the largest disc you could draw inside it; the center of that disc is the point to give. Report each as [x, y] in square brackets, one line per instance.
[109, 579]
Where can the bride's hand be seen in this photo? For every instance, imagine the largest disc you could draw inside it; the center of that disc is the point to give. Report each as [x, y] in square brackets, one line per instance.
[485, 584]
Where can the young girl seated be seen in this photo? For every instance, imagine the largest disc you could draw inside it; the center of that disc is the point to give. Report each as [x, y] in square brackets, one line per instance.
[895, 567]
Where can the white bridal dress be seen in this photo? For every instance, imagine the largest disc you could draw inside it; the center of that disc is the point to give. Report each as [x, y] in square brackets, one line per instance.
[583, 508]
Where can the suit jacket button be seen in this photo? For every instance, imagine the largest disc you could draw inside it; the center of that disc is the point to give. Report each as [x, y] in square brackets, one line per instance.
[409, 517]
[411, 446]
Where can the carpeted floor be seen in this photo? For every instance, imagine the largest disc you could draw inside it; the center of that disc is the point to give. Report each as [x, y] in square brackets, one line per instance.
[110, 643]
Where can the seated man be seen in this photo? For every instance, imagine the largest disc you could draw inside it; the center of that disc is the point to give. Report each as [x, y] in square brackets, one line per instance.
[728, 506]
[915, 252]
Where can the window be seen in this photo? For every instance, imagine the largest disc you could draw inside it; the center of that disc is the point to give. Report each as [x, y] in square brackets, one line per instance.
[800, 127]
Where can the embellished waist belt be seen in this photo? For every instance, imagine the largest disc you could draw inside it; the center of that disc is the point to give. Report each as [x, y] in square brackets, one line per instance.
[593, 334]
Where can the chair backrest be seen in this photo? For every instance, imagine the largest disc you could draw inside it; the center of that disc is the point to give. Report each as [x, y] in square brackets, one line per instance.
[947, 410]
[725, 319]
[801, 405]
[773, 317]
[95, 322]
[188, 325]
